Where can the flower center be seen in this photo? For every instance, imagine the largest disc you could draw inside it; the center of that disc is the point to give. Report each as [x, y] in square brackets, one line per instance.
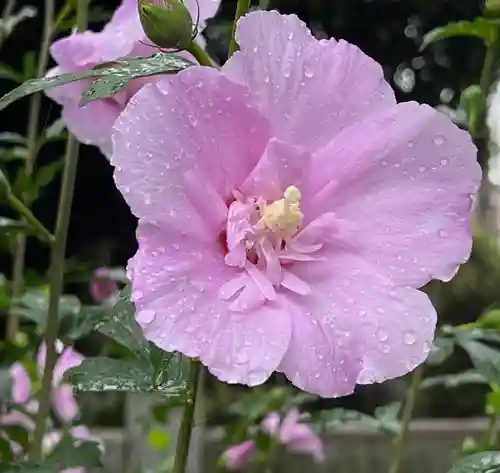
[262, 240]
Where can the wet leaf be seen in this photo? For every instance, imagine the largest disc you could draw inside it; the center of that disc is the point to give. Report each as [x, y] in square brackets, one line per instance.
[121, 71]
[479, 28]
[485, 359]
[483, 462]
[454, 380]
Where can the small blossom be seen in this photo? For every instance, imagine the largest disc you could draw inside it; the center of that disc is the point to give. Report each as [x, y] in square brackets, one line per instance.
[63, 399]
[295, 436]
[102, 287]
[289, 211]
[122, 36]
[21, 383]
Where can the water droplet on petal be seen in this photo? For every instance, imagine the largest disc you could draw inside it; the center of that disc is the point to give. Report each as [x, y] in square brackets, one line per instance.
[409, 338]
[439, 140]
[308, 72]
[382, 335]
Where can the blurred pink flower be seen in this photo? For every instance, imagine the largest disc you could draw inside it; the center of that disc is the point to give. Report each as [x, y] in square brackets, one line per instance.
[289, 432]
[102, 287]
[21, 383]
[238, 456]
[63, 399]
[122, 36]
[289, 209]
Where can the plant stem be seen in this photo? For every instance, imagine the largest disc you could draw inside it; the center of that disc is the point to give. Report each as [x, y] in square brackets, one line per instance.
[400, 441]
[186, 428]
[490, 435]
[43, 233]
[200, 54]
[32, 139]
[241, 8]
[56, 270]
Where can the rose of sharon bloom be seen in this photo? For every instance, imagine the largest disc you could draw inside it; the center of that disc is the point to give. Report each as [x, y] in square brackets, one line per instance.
[295, 436]
[102, 287]
[289, 209]
[122, 36]
[63, 399]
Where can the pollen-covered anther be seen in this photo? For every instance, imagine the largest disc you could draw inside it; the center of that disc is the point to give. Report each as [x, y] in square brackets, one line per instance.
[283, 216]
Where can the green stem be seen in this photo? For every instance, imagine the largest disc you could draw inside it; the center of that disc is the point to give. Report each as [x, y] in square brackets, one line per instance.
[489, 59]
[186, 428]
[200, 54]
[31, 136]
[400, 440]
[241, 8]
[56, 270]
[42, 232]
[490, 435]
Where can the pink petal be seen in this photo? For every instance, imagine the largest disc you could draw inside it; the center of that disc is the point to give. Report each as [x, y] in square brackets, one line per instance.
[213, 125]
[299, 437]
[101, 286]
[17, 418]
[309, 90]
[175, 283]
[324, 355]
[21, 383]
[92, 124]
[280, 166]
[271, 424]
[238, 456]
[64, 403]
[69, 358]
[404, 178]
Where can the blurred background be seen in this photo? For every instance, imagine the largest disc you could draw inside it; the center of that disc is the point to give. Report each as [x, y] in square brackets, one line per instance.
[102, 231]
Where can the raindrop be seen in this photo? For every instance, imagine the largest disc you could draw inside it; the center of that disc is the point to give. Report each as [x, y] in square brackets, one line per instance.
[422, 168]
[409, 338]
[382, 335]
[308, 72]
[439, 140]
[444, 162]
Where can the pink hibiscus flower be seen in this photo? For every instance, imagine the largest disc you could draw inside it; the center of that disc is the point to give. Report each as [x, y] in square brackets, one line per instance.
[102, 287]
[289, 210]
[290, 432]
[63, 399]
[122, 36]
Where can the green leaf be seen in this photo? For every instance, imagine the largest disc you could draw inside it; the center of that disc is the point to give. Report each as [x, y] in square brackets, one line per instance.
[485, 359]
[9, 73]
[7, 25]
[120, 71]
[17, 434]
[13, 138]
[171, 375]
[118, 323]
[16, 226]
[6, 454]
[13, 153]
[442, 349]
[473, 101]
[55, 130]
[388, 416]
[109, 374]
[339, 416]
[483, 462]
[454, 380]
[478, 28]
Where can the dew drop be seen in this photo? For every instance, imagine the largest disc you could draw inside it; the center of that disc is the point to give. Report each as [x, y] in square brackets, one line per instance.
[309, 73]
[444, 162]
[409, 338]
[382, 335]
[439, 140]
[422, 168]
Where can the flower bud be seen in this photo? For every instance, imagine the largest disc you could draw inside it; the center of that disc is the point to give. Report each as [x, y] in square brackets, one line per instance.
[167, 23]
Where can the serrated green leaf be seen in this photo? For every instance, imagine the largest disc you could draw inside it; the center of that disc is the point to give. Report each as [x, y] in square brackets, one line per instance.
[479, 28]
[124, 70]
[454, 380]
[483, 462]
[118, 323]
[109, 374]
[485, 359]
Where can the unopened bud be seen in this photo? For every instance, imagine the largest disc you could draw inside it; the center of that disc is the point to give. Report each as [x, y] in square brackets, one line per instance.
[167, 23]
